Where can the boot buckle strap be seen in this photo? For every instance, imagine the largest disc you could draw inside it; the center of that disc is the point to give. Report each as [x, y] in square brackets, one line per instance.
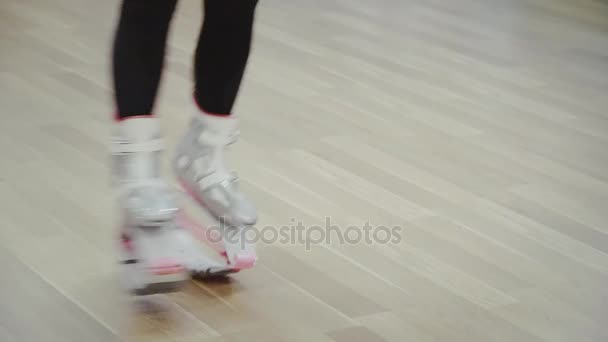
[123, 147]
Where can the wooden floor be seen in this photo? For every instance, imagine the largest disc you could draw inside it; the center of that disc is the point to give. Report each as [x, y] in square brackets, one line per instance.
[480, 127]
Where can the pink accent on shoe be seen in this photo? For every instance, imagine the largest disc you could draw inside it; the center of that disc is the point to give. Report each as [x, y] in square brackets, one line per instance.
[198, 105]
[193, 194]
[244, 261]
[126, 242]
[117, 117]
[200, 232]
[165, 267]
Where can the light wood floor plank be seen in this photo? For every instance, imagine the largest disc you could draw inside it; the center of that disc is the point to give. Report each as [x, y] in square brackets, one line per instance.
[478, 128]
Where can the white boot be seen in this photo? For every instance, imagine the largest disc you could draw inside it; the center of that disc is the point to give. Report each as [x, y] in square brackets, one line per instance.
[151, 242]
[200, 167]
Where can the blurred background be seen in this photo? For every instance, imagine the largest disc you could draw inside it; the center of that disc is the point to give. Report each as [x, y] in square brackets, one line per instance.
[479, 127]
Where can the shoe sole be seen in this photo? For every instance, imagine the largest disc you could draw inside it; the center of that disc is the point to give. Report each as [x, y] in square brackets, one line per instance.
[159, 288]
[213, 274]
[155, 283]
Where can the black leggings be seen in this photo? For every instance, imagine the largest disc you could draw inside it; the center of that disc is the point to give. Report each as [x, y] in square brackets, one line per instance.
[220, 59]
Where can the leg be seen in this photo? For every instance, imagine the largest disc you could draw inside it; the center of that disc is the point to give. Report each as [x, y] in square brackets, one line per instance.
[221, 57]
[150, 243]
[222, 53]
[139, 52]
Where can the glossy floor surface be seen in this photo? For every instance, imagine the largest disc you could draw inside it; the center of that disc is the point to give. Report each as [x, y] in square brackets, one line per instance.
[480, 128]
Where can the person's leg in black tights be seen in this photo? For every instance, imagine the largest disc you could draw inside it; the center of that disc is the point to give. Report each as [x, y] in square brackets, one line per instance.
[219, 64]
[222, 52]
[139, 53]
[220, 58]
